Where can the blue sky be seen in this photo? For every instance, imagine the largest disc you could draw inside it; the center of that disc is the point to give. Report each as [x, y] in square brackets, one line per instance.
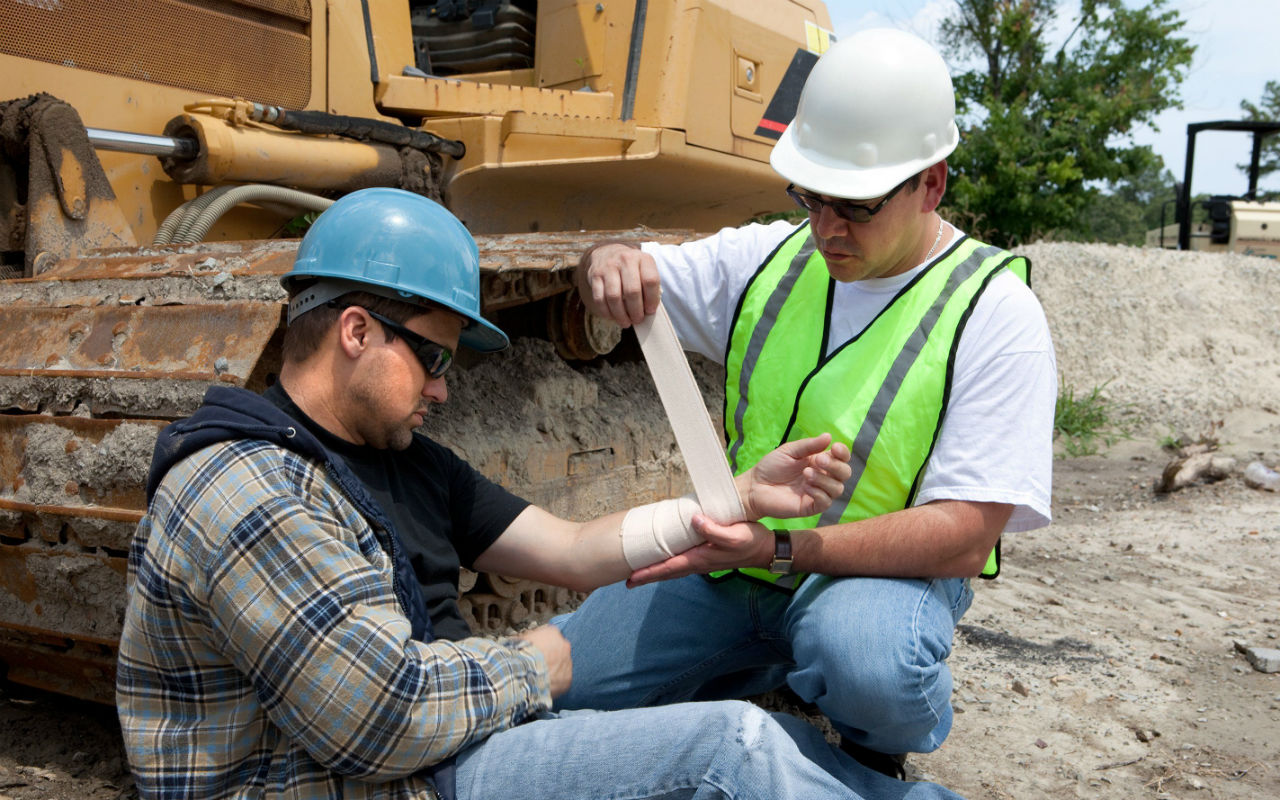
[1237, 43]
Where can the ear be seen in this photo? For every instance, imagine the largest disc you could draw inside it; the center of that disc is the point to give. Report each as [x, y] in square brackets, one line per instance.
[935, 185]
[353, 330]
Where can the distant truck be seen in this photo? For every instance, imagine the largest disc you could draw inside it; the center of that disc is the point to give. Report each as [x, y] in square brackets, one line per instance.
[1232, 224]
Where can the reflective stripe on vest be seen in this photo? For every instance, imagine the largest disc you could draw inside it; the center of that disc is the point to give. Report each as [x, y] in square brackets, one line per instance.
[893, 378]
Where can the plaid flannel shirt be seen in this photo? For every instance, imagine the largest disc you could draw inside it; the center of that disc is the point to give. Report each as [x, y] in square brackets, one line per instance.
[264, 652]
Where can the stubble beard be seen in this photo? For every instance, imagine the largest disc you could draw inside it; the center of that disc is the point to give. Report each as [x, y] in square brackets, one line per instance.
[372, 406]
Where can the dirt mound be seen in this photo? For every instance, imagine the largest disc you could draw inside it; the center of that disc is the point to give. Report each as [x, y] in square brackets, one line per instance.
[1179, 339]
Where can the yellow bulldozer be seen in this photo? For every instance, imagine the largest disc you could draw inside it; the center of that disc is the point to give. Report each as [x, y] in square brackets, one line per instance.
[159, 159]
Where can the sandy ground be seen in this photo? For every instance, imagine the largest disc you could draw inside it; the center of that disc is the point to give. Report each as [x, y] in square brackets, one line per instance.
[1102, 662]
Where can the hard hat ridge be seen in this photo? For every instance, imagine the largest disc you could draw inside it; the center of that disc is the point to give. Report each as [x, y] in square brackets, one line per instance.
[394, 244]
[877, 108]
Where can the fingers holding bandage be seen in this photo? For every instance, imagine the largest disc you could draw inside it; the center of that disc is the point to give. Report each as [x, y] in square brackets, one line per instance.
[674, 538]
[738, 544]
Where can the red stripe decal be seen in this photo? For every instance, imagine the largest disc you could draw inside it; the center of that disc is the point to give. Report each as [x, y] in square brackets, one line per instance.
[771, 125]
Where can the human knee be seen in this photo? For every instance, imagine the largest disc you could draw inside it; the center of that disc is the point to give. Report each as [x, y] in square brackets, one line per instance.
[739, 723]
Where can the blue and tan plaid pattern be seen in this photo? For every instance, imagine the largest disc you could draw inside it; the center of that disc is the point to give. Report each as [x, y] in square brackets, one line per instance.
[264, 653]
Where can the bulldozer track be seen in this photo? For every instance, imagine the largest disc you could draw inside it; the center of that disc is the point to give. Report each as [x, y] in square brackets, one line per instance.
[107, 348]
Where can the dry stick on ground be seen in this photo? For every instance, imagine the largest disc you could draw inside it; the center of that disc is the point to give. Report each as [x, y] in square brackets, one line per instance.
[1119, 764]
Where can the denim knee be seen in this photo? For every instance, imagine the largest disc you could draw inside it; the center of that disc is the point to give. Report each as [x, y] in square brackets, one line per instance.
[872, 655]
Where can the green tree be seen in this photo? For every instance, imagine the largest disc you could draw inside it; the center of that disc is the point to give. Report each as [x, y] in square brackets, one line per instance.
[1127, 208]
[1043, 125]
[1267, 111]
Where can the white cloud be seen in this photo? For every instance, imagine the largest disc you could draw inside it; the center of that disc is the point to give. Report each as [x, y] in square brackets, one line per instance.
[920, 18]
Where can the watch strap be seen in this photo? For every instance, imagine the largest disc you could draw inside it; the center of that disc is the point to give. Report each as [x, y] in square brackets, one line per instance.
[781, 563]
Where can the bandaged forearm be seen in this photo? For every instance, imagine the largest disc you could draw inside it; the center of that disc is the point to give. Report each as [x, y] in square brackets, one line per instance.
[658, 531]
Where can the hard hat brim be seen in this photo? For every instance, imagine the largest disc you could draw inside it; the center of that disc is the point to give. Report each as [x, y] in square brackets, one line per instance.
[478, 334]
[789, 161]
[483, 336]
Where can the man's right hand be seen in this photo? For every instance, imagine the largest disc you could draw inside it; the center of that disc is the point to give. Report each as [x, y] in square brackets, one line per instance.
[619, 282]
[555, 648]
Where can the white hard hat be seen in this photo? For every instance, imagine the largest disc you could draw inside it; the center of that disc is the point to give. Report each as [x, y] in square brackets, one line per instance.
[877, 108]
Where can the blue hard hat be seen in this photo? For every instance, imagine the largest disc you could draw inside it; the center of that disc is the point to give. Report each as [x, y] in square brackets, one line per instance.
[395, 244]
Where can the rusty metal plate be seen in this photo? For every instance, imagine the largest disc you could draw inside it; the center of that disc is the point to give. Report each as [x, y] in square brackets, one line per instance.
[215, 342]
[557, 251]
[54, 462]
[539, 252]
[62, 591]
[83, 669]
[272, 257]
[92, 528]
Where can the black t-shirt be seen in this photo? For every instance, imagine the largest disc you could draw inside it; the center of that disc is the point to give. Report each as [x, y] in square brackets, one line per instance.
[445, 512]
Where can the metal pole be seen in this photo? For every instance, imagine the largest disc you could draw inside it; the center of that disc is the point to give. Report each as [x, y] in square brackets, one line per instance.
[1184, 201]
[1254, 160]
[143, 144]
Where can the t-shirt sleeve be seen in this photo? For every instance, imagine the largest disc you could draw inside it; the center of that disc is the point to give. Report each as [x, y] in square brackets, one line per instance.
[996, 442]
[703, 279]
[481, 509]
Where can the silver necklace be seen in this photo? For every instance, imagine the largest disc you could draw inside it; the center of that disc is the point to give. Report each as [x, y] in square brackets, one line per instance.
[936, 239]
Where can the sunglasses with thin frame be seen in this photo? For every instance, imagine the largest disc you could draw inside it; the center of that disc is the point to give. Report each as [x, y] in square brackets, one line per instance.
[844, 209]
[435, 358]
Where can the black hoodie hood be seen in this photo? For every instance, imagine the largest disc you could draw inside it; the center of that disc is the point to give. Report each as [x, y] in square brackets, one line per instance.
[230, 414]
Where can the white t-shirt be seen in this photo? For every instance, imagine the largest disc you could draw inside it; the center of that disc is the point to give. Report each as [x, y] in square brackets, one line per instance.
[996, 443]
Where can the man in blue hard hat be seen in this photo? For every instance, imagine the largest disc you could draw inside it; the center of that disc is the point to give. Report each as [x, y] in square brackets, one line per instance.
[287, 632]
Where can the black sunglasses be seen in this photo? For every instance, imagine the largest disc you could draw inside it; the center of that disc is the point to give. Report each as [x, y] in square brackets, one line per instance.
[843, 208]
[435, 358]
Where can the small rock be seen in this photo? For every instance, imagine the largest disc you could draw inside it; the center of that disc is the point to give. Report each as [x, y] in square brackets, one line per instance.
[1263, 659]
[1146, 735]
[1021, 688]
[1041, 743]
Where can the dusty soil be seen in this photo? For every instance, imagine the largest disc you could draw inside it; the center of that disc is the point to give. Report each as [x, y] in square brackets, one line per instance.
[1102, 662]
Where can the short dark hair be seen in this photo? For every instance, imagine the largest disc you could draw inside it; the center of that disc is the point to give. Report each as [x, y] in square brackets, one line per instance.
[302, 336]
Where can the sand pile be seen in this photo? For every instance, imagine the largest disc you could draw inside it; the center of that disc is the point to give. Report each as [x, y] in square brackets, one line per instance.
[1180, 339]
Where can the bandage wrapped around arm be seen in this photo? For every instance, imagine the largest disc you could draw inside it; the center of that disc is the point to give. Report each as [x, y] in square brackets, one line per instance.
[660, 530]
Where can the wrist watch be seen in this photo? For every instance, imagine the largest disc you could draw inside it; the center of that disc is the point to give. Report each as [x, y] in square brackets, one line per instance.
[781, 563]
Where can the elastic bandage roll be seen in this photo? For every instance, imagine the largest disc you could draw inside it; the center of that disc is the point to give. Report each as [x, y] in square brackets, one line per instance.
[658, 531]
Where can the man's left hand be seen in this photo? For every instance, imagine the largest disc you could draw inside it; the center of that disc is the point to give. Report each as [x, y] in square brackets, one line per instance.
[798, 479]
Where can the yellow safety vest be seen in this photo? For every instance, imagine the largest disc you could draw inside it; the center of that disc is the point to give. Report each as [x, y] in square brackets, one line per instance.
[883, 393]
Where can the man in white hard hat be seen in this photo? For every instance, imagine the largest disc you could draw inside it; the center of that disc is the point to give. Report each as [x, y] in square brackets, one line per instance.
[921, 348]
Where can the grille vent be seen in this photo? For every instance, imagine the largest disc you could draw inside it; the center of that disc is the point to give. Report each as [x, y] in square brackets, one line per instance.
[257, 49]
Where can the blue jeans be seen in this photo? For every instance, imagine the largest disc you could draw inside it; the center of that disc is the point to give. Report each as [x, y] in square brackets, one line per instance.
[870, 652]
[731, 750]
